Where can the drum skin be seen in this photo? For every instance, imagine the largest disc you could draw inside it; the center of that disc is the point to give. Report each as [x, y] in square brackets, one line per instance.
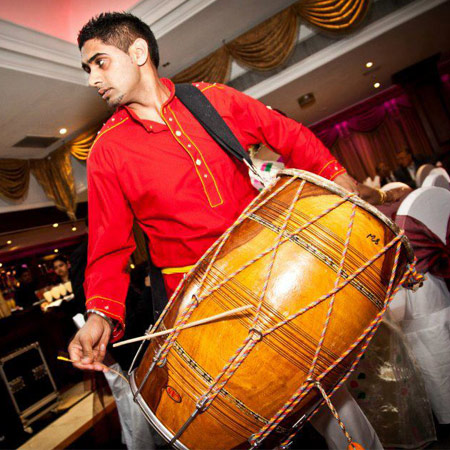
[305, 268]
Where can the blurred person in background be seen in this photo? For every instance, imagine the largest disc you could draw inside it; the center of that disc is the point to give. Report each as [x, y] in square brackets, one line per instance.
[25, 294]
[406, 172]
[385, 173]
[61, 267]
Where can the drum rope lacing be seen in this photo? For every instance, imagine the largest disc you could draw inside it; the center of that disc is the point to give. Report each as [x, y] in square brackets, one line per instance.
[171, 338]
[364, 338]
[256, 334]
[412, 277]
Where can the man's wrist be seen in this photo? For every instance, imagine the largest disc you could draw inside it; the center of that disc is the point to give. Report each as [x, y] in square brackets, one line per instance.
[102, 315]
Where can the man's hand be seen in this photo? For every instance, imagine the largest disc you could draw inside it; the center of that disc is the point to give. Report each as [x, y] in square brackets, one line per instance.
[88, 347]
[369, 194]
[393, 195]
[374, 196]
[347, 182]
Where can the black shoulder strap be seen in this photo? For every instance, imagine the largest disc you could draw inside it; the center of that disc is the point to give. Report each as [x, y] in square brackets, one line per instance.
[205, 113]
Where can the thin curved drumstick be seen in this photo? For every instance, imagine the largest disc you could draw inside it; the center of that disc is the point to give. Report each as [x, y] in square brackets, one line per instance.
[63, 358]
[188, 325]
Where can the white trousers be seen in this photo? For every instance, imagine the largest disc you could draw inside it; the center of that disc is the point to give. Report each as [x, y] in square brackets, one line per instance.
[137, 434]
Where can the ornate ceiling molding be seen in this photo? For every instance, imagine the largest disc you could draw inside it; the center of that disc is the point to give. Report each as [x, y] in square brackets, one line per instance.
[32, 52]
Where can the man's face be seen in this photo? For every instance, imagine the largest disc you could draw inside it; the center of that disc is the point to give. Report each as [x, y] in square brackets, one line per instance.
[111, 71]
[26, 277]
[61, 268]
[404, 159]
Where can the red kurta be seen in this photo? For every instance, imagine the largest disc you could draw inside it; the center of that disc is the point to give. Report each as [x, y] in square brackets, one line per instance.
[183, 189]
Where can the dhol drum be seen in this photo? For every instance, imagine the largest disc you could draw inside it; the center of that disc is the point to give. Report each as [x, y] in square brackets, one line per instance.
[319, 265]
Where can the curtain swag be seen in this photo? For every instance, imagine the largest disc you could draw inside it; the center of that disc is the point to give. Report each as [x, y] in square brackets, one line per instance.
[14, 178]
[269, 44]
[53, 173]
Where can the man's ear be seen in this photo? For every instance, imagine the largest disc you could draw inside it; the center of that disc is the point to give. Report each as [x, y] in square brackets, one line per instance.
[139, 51]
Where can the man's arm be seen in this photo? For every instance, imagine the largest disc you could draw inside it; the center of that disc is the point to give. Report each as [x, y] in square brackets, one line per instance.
[369, 194]
[111, 243]
[298, 146]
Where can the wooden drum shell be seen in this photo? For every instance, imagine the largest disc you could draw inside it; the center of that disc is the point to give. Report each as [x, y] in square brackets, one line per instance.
[305, 269]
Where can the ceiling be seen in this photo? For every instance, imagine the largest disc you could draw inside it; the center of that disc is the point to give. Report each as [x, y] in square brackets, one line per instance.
[44, 89]
[27, 242]
[342, 79]
[43, 86]
[62, 19]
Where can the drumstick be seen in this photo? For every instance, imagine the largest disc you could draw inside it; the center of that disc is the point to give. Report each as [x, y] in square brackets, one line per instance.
[188, 325]
[63, 358]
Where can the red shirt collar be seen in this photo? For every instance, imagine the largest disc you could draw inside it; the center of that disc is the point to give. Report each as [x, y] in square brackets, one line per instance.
[149, 125]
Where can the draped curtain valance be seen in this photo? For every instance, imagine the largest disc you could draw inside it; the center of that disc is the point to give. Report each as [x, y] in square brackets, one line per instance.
[14, 178]
[269, 44]
[53, 173]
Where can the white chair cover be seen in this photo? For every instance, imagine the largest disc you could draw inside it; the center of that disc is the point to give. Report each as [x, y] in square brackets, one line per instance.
[424, 315]
[436, 179]
[422, 173]
[441, 171]
[430, 205]
[393, 185]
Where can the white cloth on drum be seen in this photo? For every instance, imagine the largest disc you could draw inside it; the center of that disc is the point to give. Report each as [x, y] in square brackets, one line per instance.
[136, 431]
[425, 321]
[354, 419]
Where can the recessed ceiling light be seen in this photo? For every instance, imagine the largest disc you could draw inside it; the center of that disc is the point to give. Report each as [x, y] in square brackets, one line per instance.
[132, 266]
[74, 228]
[376, 85]
[63, 131]
[56, 250]
[9, 242]
[369, 64]
[306, 100]
[55, 225]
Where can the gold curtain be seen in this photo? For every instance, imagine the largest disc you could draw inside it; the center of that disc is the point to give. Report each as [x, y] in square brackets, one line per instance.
[332, 15]
[54, 174]
[214, 68]
[267, 45]
[81, 145]
[14, 178]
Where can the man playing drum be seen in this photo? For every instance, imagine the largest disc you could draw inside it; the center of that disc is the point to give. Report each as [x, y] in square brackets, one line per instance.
[154, 163]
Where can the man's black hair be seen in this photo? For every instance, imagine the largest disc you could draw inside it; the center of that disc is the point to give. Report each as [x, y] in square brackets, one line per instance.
[61, 258]
[121, 30]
